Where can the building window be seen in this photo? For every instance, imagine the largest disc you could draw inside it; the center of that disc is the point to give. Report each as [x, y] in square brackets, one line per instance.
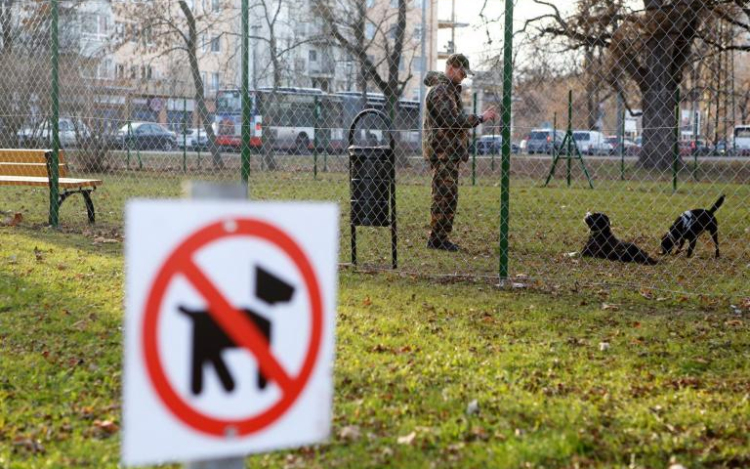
[203, 42]
[146, 37]
[417, 64]
[120, 71]
[216, 44]
[312, 56]
[204, 79]
[215, 81]
[370, 3]
[103, 25]
[369, 31]
[133, 72]
[215, 5]
[89, 25]
[394, 3]
[418, 33]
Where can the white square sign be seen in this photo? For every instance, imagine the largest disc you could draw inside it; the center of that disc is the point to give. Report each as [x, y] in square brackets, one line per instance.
[229, 328]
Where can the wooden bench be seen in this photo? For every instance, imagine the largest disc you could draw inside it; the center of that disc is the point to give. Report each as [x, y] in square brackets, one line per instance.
[32, 168]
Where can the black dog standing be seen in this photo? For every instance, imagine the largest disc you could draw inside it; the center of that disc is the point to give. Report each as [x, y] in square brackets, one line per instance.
[689, 226]
[209, 339]
[603, 244]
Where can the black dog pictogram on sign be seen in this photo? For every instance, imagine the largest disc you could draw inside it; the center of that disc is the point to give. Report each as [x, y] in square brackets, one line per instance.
[209, 339]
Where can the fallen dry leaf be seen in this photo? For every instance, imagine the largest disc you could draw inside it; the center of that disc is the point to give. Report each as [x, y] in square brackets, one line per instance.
[612, 307]
[350, 433]
[14, 220]
[103, 240]
[106, 426]
[407, 439]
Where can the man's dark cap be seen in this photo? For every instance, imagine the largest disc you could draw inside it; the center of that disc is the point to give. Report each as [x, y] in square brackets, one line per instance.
[461, 61]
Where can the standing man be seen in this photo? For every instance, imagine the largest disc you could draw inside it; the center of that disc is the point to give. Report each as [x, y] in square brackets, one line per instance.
[445, 144]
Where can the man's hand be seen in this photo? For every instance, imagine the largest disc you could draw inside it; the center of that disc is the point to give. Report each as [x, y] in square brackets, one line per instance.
[490, 114]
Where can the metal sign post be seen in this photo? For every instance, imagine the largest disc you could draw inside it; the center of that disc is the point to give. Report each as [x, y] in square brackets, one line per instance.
[206, 190]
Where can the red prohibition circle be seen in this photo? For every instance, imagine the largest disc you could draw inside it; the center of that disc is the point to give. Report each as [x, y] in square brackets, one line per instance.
[180, 262]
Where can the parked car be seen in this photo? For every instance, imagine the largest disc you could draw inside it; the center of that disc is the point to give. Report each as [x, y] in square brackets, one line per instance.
[145, 136]
[722, 149]
[72, 132]
[695, 148]
[591, 142]
[193, 139]
[742, 139]
[629, 147]
[541, 140]
[493, 145]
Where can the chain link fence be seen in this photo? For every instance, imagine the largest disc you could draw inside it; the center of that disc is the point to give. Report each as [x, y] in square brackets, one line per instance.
[637, 110]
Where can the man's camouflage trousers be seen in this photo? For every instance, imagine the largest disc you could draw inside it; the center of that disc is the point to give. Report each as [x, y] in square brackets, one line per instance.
[444, 198]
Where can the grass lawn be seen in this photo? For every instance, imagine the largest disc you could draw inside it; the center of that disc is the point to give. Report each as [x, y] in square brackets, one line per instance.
[427, 373]
[545, 222]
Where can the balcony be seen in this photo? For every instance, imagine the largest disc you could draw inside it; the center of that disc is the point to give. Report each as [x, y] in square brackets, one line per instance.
[321, 68]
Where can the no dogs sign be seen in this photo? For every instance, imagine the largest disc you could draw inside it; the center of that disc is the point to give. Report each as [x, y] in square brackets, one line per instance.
[229, 328]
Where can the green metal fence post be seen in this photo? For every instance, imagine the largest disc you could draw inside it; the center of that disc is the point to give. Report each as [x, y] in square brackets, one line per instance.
[198, 147]
[316, 117]
[676, 149]
[128, 143]
[245, 99]
[622, 150]
[492, 158]
[554, 151]
[570, 133]
[54, 168]
[474, 147]
[184, 135]
[506, 123]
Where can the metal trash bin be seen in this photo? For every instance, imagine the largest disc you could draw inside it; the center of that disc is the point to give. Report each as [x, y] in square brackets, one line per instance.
[372, 178]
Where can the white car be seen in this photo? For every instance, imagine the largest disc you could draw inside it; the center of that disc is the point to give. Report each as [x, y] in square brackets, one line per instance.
[193, 139]
[742, 139]
[73, 133]
[591, 142]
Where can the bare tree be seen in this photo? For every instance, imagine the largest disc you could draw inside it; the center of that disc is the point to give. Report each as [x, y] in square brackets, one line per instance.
[172, 32]
[25, 61]
[347, 20]
[651, 47]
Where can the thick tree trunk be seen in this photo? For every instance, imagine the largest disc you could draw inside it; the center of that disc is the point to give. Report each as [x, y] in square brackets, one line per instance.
[659, 93]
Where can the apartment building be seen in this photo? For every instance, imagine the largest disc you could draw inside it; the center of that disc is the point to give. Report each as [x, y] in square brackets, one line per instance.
[131, 59]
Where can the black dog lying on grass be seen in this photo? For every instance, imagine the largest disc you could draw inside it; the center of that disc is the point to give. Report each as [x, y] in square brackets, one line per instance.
[603, 244]
[689, 226]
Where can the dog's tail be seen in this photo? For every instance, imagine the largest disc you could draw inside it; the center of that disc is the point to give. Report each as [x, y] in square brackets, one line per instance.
[717, 204]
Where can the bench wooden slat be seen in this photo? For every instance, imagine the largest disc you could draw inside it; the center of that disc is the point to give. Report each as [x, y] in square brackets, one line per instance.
[14, 155]
[44, 181]
[28, 169]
